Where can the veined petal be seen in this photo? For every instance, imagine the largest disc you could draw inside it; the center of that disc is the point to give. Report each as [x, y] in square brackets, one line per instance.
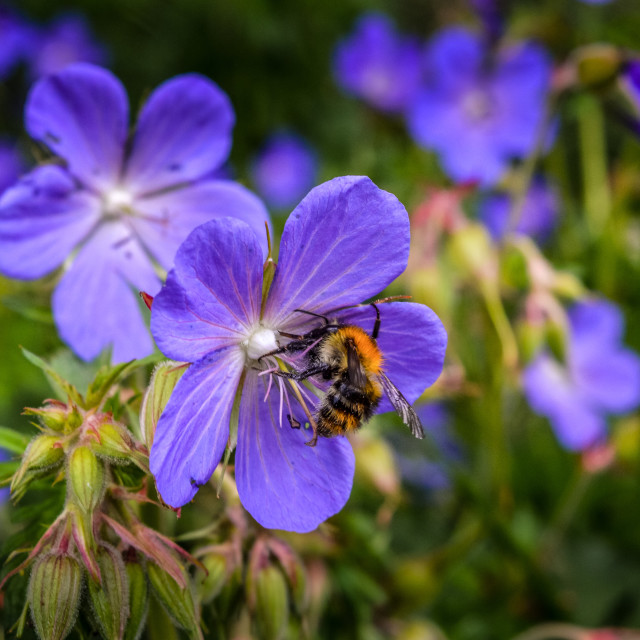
[282, 482]
[194, 427]
[413, 342]
[343, 243]
[183, 133]
[96, 304]
[168, 218]
[42, 219]
[81, 113]
[212, 296]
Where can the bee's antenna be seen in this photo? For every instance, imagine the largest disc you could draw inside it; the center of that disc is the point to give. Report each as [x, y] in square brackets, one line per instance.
[364, 304]
[317, 315]
[376, 326]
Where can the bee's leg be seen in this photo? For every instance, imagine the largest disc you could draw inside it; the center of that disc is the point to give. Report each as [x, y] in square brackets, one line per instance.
[303, 374]
[295, 424]
[317, 315]
[314, 440]
[376, 326]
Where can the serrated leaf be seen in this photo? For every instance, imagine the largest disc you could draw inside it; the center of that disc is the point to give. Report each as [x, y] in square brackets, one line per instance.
[108, 376]
[13, 441]
[61, 387]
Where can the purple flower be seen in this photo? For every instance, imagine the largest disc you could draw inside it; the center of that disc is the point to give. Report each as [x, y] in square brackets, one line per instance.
[538, 215]
[66, 40]
[343, 243]
[124, 203]
[378, 65]
[15, 41]
[10, 164]
[4, 491]
[600, 377]
[285, 170]
[480, 113]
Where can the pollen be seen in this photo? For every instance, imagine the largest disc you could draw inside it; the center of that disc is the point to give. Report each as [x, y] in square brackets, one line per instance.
[117, 201]
[260, 342]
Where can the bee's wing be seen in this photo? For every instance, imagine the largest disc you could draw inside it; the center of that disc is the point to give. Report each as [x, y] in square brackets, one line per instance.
[400, 404]
[354, 368]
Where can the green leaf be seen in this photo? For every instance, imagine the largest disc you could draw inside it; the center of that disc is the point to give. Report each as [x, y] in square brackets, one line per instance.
[108, 376]
[13, 441]
[62, 388]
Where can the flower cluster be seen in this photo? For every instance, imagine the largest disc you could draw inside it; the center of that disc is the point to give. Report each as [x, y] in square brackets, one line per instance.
[46, 49]
[121, 205]
[477, 107]
[343, 244]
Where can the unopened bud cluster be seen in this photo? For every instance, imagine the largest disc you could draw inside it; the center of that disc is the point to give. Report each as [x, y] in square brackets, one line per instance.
[98, 539]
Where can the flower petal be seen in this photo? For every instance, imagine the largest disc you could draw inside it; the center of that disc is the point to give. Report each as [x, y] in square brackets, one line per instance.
[597, 321]
[194, 427]
[343, 243]
[96, 305]
[183, 133]
[282, 482]
[42, 218]
[212, 296]
[608, 377]
[550, 393]
[169, 218]
[413, 342]
[82, 114]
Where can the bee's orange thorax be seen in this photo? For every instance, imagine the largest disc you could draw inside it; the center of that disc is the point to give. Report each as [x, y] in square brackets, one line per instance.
[370, 355]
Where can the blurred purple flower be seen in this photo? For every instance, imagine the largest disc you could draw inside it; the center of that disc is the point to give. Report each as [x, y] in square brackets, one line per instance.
[11, 164]
[418, 469]
[480, 113]
[377, 64]
[596, 1]
[491, 14]
[4, 491]
[600, 377]
[15, 41]
[126, 204]
[538, 215]
[343, 243]
[285, 170]
[66, 40]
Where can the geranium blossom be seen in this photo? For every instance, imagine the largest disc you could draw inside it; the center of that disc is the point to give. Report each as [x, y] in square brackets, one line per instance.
[600, 377]
[379, 65]
[478, 112]
[344, 243]
[124, 203]
[284, 170]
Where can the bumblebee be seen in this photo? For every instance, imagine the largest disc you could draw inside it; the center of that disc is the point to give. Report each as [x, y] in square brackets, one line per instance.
[350, 358]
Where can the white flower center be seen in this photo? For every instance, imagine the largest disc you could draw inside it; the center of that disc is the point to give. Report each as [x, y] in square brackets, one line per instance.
[260, 342]
[477, 104]
[117, 201]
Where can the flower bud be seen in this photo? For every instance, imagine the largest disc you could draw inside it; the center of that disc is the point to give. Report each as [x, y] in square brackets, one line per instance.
[229, 597]
[176, 600]
[419, 630]
[113, 441]
[216, 565]
[272, 603]
[531, 338]
[163, 380]
[138, 600]
[44, 452]
[54, 595]
[597, 65]
[471, 250]
[110, 600]
[86, 478]
[56, 415]
[376, 465]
